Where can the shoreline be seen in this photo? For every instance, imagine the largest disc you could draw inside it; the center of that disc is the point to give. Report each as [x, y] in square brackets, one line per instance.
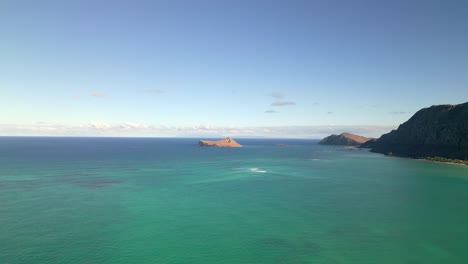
[445, 160]
[431, 159]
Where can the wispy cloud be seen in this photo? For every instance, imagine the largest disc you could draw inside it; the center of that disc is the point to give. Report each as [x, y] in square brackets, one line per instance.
[96, 94]
[277, 95]
[133, 129]
[131, 125]
[96, 125]
[271, 112]
[397, 113]
[282, 103]
[153, 91]
[329, 113]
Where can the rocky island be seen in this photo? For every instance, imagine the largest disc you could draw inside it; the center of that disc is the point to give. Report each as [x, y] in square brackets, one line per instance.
[344, 139]
[227, 142]
[438, 133]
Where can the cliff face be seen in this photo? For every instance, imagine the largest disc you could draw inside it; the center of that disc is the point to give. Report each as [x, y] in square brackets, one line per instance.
[227, 142]
[344, 139]
[436, 131]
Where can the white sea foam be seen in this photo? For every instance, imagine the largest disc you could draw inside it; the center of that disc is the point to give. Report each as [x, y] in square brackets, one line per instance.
[257, 170]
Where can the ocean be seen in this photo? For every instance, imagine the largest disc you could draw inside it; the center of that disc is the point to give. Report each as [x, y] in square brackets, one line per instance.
[167, 200]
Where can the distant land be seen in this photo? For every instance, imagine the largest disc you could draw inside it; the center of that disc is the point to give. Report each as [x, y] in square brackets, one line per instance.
[344, 139]
[226, 142]
[437, 133]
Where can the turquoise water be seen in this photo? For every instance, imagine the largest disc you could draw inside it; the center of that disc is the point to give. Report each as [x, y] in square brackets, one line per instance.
[114, 200]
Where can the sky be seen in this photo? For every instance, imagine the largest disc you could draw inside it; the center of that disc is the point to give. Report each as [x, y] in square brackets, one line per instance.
[239, 68]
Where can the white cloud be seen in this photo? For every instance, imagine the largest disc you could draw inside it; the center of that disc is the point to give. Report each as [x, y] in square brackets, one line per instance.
[129, 129]
[282, 103]
[98, 126]
[130, 125]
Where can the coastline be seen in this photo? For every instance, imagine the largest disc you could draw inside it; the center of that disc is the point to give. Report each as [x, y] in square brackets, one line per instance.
[430, 159]
[446, 160]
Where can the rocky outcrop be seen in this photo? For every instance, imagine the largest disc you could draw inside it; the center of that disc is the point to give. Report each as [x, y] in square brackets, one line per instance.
[344, 139]
[227, 142]
[436, 131]
[368, 144]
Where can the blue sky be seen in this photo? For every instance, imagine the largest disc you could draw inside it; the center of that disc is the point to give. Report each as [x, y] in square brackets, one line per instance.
[96, 67]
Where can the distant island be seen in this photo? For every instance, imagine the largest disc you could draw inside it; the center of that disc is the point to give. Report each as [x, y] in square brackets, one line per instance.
[437, 133]
[226, 142]
[344, 139]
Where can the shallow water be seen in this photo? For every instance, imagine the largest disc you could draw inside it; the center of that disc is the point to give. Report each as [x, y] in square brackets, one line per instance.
[122, 200]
